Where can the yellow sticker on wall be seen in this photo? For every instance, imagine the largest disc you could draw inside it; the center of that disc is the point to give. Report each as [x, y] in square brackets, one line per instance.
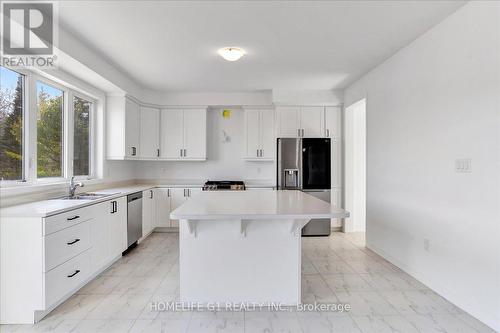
[226, 114]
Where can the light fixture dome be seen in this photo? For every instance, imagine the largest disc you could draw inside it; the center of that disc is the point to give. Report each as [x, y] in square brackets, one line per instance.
[231, 53]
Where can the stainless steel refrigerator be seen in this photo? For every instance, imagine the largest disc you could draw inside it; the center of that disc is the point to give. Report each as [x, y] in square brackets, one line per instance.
[305, 164]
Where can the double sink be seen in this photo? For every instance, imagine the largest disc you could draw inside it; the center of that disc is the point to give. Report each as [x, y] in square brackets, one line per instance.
[86, 196]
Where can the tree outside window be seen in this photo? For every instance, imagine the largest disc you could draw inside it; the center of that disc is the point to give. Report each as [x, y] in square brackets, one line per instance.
[11, 124]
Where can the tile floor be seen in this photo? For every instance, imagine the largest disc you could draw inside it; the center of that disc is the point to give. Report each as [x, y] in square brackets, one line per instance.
[335, 269]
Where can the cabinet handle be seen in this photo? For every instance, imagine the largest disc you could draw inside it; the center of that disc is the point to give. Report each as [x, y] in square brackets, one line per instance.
[184, 152]
[151, 194]
[327, 133]
[261, 152]
[134, 151]
[168, 192]
[76, 272]
[189, 192]
[184, 193]
[73, 242]
[73, 218]
[157, 152]
[298, 132]
[180, 152]
[302, 132]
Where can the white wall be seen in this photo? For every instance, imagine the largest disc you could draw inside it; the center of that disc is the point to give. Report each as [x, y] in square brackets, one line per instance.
[433, 102]
[307, 97]
[355, 166]
[224, 159]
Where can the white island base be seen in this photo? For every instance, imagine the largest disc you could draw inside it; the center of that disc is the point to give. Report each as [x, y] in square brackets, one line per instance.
[245, 247]
[240, 261]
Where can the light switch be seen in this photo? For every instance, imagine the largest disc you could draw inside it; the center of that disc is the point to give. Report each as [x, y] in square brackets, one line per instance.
[463, 165]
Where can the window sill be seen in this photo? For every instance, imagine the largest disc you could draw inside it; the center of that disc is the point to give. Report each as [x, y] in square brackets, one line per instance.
[11, 188]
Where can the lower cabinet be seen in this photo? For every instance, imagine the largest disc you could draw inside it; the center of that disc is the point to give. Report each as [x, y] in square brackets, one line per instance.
[163, 203]
[149, 198]
[177, 197]
[108, 232]
[44, 260]
[167, 200]
[118, 227]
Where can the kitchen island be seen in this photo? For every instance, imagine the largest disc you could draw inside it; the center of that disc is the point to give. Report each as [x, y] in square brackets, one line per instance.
[244, 246]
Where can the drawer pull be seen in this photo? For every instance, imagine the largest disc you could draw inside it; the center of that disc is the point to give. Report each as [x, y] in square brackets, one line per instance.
[73, 242]
[76, 272]
[73, 218]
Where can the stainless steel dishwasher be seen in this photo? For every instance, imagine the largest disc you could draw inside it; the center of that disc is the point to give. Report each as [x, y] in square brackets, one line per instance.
[134, 217]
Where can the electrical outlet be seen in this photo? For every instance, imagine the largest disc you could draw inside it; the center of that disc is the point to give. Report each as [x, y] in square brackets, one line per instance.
[463, 165]
[426, 244]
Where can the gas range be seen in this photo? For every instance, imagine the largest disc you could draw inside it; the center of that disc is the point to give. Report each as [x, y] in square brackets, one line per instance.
[224, 185]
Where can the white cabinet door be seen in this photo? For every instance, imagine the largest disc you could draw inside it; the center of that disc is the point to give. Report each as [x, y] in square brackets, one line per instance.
[267, 137]
[252, 134]
[132, 129]
[118, 226]
[100, 235]
[195, 134]
[192, 191]
[332, 121]
[148, 211]
[312, 121]
[163, 206]
[336, 166]
[178, 197]
[172, 128]
[288, 121]
[150, 133]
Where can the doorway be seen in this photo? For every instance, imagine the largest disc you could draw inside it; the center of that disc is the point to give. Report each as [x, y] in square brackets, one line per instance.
[355, 166]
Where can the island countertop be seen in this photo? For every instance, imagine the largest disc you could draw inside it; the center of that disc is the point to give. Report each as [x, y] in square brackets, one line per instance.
[255, 205]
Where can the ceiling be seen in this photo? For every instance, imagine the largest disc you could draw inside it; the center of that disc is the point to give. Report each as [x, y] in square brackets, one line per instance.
[172, 45]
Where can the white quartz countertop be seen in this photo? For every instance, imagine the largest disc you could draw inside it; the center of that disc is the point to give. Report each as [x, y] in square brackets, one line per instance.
[56, 206]
[252, 205]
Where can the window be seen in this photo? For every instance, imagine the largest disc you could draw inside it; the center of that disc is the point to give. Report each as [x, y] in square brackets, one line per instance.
[11, 124]
[50, 105]
[46, 129]
[81, 143]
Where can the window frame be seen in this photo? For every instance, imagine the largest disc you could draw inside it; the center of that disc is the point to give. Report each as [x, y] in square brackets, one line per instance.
[25, 162]
[92, 135]
[65, 134]
[30, 132]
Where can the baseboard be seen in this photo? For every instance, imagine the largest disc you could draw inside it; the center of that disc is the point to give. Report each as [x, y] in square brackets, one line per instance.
[448, 294]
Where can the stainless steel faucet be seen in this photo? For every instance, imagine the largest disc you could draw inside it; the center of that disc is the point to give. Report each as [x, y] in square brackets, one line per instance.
[73, 186]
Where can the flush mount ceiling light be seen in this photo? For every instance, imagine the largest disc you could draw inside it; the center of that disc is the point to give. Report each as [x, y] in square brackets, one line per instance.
[231, 53]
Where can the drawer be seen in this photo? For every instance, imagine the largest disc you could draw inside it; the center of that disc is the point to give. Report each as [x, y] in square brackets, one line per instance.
[65, 244]
[66, 277]
[64, 220]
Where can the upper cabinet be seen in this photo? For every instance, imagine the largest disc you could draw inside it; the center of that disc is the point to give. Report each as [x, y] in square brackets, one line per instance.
[123, 128]
[259, 134]
[144, 133]
[183, 134]
[312, 121]
[149, 134]
[333, 118]
[288, 121]
[308, 121]
[298, 122]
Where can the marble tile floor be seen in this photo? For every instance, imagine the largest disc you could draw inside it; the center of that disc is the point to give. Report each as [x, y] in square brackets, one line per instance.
[336, 269]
